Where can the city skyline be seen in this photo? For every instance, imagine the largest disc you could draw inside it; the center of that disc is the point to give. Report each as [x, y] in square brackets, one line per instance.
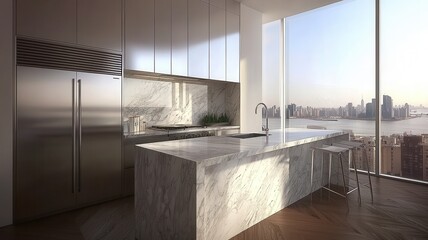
[388, 111]
[364, 110]
[330, 54]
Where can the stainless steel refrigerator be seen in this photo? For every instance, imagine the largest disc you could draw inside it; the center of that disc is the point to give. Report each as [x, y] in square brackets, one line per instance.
[68, 140]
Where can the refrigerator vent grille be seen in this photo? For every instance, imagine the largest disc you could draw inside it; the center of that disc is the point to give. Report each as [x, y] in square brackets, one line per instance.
[33, 53]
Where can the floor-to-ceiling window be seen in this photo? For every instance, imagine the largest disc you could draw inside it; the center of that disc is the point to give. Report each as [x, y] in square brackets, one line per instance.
[272, 72]
[330, 78]
[330, 71]
[404, 88]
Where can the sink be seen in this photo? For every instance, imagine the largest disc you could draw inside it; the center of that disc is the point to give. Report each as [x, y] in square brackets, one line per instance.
[248, 135]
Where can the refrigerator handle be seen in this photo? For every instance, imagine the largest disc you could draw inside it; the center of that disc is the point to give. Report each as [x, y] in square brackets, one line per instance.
[73, 158]
[79, 131]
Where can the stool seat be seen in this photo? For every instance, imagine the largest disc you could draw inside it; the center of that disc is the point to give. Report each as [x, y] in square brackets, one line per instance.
[332, 149]
[349, 144]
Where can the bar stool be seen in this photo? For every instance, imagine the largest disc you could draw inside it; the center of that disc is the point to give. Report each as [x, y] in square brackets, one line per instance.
[353, 146]
[339, 151]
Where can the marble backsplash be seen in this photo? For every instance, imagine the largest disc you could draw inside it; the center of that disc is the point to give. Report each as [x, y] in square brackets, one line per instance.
[180, 101]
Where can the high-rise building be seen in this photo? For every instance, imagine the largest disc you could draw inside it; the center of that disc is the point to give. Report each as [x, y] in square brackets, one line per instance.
[412, 157]
[387, 108]
[365, 154]
[391, 156]
[351, 111]
[374, 110]
[424, 145]
[292, 110]
[425, 161]
[369, 110]
[407, 107]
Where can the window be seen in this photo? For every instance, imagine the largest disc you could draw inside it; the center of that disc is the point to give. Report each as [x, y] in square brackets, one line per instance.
[403, 57]
[330, 79]
[330, 71]
[272, 77]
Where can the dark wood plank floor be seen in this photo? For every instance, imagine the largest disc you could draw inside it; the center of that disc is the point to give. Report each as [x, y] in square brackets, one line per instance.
[109, 221]
[400, 211]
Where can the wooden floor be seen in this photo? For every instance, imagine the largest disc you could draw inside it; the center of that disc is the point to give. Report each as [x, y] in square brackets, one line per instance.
[399, 211]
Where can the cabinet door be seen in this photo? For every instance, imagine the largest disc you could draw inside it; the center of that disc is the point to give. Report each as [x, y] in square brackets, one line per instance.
[140, 35]
[100, 165]
[179, 38]
[217, 43]
[44, 138]
[198, 39]
[232, 47]
[163, 36]
[218, 3]
[233, 6]
[47, 19]
[99, 23]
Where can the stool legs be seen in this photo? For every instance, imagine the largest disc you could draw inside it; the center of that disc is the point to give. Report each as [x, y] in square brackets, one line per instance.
[322, 174]
[344, 181]
[329, 171]
[368, 173]
[312, 171]
[356, 176]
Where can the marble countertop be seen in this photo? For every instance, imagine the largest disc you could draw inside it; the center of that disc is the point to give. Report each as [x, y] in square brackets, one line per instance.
[212, 150]
[158, 132]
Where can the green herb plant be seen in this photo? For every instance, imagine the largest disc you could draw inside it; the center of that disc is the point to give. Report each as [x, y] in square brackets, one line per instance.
[212, 118]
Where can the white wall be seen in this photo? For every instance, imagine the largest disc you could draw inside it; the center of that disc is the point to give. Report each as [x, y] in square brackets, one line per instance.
[6, 110]
[276, 9]
[251, 68]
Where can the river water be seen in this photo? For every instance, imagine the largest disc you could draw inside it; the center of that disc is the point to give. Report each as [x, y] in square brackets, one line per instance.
[416, 126]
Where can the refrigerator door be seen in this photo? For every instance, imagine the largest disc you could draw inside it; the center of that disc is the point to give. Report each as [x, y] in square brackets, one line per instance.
[44, 138]
[99, 162]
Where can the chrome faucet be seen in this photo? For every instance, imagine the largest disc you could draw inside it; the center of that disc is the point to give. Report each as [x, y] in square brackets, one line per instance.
[264, 128]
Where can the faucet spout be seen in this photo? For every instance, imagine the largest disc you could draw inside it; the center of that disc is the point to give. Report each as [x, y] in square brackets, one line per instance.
[264, 128]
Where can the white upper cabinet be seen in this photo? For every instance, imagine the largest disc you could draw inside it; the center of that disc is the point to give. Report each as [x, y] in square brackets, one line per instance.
[217, 43]
[194, 38]
[93, 23]
[232, 40]
[198, 39]
[218, 3]
[233, 6]
[140, 35]
[163, 36]
[179, 38]
[52, 20]
[99, 23]
[232, 47]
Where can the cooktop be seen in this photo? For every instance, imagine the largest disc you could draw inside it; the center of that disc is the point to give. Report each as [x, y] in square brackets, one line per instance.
[175, 126]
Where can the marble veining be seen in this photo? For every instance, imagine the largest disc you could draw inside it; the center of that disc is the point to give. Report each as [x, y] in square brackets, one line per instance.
[179, 101]
[235, 183]
[157, 132]
[211, 150]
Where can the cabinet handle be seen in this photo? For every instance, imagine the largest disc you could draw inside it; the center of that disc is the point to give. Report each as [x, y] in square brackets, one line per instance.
[79, 131]
[73, 123]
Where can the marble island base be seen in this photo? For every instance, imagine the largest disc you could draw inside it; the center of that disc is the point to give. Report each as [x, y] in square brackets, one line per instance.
[219, 197]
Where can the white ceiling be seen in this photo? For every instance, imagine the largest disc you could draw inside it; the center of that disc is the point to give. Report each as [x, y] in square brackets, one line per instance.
[276, 9]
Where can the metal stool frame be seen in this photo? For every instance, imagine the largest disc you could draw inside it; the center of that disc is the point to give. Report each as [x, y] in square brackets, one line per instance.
[339, 151]
[354, 146]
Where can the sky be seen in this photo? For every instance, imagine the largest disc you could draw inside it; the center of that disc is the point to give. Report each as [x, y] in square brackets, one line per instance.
[330, 54]
[271, 63]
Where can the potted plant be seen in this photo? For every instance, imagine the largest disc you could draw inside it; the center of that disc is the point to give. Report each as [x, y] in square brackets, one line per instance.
[212, 119]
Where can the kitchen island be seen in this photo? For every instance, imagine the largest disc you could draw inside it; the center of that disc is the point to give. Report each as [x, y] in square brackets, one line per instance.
[216, 187]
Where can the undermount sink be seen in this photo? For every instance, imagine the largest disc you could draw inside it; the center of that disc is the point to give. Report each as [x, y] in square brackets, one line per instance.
[248, 135]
